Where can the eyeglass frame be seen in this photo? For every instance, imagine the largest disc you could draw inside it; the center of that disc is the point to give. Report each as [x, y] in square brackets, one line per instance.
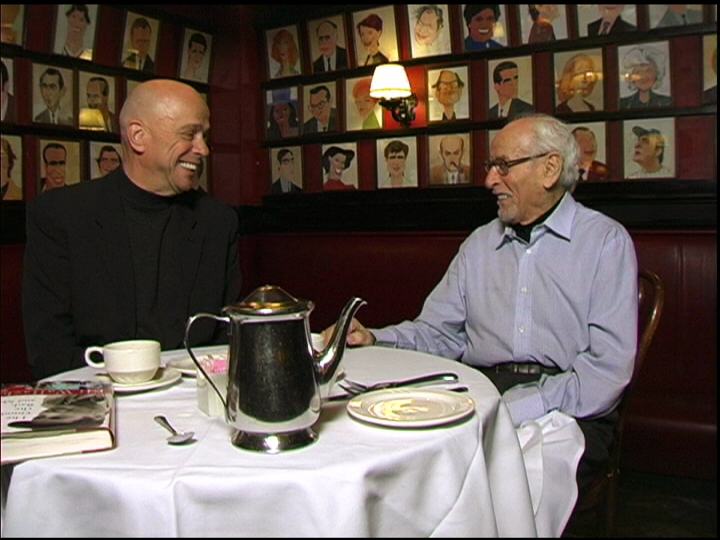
[504, 166]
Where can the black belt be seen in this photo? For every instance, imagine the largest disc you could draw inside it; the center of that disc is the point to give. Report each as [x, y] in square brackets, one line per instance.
[521, 369]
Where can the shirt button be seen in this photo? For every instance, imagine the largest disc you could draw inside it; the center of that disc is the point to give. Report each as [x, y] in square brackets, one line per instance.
[523, 289]
[528, 250]
[521, 329]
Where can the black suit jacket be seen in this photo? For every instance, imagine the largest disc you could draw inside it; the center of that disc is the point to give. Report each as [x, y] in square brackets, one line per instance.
[148, 66]
[311, 125]
[619, 26]
[78, 285]
[318, 65]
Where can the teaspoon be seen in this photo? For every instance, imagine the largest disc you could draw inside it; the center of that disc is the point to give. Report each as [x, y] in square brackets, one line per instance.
[176, 437]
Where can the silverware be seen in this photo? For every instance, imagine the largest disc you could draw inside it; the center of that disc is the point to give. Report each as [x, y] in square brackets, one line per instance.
[357, 387]
[350, 395]
[177, 437]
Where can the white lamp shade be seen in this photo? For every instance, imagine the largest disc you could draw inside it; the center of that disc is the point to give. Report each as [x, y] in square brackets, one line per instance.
[390, 81]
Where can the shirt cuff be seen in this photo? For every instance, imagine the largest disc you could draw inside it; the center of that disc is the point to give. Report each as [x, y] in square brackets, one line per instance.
[524, 403]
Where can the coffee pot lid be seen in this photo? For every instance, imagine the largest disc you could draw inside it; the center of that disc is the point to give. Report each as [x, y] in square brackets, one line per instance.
[269, 300]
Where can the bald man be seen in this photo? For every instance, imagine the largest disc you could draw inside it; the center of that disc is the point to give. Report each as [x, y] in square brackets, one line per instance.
[134, 254]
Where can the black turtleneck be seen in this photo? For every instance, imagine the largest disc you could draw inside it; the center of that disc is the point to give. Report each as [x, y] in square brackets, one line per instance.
[523, 231]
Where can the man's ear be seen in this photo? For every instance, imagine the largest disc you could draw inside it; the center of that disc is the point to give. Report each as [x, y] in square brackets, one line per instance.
[551, 170]
[137, 136]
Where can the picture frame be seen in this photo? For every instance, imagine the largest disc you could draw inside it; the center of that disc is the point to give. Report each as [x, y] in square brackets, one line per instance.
[284, 52]
[7, 69]
[644, 75]
[361, 111]
[510, 78]
[339, 166]
[397, 162]
[195, 56]
[591, 138]
[130, 85]
[375, 36]
[103, 158]
[140, 43]
[450, 159]
[76, 30]
[58, 163]
[620, 19]
[328, 43]
[579, 76]
[13, 24]
[709, 68]
[53, 92]
[540, 23]
[320, 111]
[429, 29]
[667, 15]
[12, 167]
[449, 93]
[286, 170]
[97, 104]
[485, 26]
[649, 148]
[282, 113]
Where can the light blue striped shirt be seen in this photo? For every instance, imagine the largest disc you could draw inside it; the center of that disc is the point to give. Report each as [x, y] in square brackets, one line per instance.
[566, 299]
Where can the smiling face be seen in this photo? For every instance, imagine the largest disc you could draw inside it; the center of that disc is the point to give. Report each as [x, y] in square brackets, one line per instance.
[427, 28]
[588, 145]
[77, 24]
[482, 25]
[320, 107]
[196, 53]
[281, 113]
[643, 76]
[54, 159]
[108, 161]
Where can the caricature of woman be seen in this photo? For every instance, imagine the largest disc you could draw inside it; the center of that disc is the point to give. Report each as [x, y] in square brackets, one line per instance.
[577, 82]
[369, 30]
[335, 161]
[285, 52]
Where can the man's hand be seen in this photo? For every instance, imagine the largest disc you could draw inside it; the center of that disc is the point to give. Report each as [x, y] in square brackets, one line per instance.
[357, 335]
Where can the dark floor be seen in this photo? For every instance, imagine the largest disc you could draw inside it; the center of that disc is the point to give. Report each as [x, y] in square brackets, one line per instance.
[658, 506]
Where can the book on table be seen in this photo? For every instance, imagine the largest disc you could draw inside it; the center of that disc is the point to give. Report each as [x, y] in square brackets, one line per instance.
[54, 418]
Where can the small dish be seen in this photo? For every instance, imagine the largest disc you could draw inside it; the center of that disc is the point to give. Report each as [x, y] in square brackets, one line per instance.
[164, 377]
[410, 407]
[186, 366]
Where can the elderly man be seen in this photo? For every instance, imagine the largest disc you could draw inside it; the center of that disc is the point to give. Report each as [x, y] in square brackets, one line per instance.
[649, 153]
[135, 253]
[543, 299]
[332, 56]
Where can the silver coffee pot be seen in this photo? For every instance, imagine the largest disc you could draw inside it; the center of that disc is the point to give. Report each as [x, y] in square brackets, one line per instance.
[276, 379]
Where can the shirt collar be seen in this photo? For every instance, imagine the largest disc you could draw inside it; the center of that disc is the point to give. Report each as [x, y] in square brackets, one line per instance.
[559, 222]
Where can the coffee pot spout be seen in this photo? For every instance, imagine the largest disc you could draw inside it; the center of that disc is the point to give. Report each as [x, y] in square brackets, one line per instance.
[328, 361]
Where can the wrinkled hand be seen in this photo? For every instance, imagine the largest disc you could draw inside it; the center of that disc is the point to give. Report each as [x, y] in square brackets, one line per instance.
[357, 335]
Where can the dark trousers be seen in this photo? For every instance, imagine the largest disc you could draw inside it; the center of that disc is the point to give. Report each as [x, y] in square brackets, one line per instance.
[599, 432]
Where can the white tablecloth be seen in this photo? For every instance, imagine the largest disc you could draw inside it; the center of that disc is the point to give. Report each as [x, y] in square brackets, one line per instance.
[465, 479]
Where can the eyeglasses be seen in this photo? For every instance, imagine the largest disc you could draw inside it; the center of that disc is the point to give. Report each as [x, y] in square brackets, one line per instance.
[56, 163]
[318, 105]
[504, 166]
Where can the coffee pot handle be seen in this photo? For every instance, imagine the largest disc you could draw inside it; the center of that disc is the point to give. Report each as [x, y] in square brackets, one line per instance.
[190, 322]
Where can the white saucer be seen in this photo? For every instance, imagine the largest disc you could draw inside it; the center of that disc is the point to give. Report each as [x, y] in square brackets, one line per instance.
[185, 364]
[163, 377]
[410, 407]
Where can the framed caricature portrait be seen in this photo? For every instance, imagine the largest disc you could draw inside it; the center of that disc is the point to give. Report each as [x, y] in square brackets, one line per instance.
[103, 158]
[375, 35]
[286, 167]
[282, 111]
[510, 92]
[579, 81]
[13, 24]
[140, 43]
[448, 91]
[649, 148]
[397, 163]
[7, 69]
[450, 159]
[709, 68]
[320, 108]
[283, 52]
[339, 166]
[362, 111]
[328, 44]
[53, 96]
[606, 19]
[484, 26]
[130, 85]
[666, 15]
[429, 29]
[195, 56]
[541, 23]
[644, 78]
[75, 30]
[591, 139]
[12, 168]
[96, 110]
[58, 163]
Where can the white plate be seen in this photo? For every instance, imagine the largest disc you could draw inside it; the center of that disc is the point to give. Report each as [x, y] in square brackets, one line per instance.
[164, 377]
[410, 407]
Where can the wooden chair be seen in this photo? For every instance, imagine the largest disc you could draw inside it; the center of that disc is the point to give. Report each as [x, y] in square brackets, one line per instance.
[600, 497]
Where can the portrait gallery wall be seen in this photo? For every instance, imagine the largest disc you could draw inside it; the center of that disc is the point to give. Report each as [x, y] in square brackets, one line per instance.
[65, 78]
[637, 83]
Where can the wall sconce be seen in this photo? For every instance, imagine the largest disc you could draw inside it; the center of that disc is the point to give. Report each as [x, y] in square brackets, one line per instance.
[391, 86]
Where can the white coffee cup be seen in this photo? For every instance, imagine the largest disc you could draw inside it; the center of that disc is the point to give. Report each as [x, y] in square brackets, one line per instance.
[127, 362]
